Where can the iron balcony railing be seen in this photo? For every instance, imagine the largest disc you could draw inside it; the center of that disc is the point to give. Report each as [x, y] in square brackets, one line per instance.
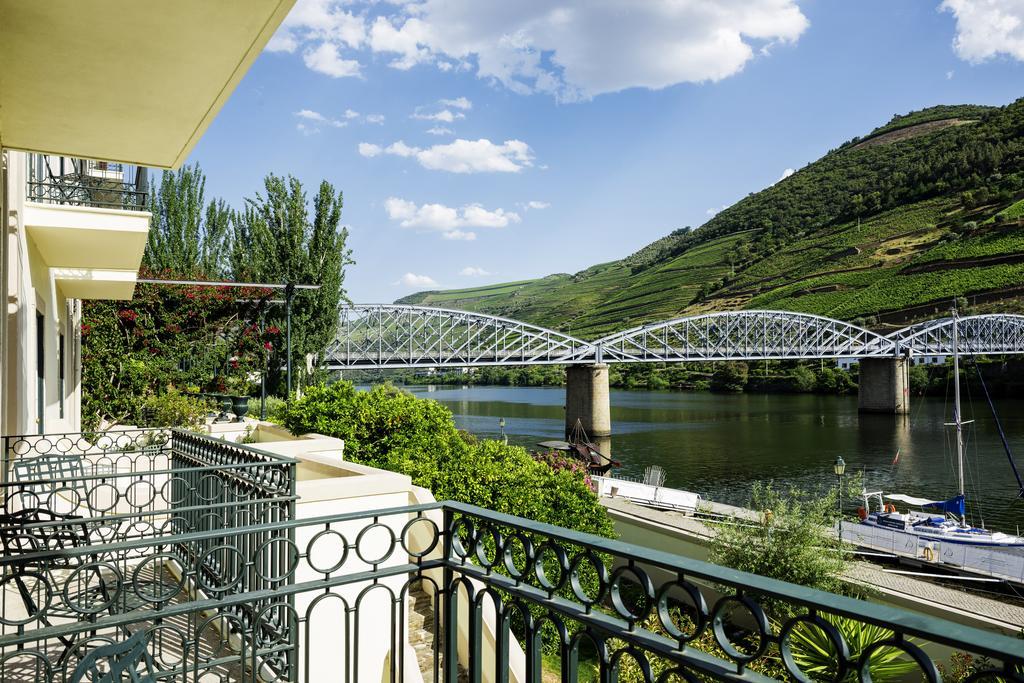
[398, 594]
[83, 182]
[141, 494]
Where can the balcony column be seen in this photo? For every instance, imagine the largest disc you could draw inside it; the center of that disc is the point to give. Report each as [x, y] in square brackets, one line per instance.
[884, 386]
[586, 399]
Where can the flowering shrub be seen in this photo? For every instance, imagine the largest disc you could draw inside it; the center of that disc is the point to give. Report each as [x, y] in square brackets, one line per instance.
[168, 336]
[560, 462]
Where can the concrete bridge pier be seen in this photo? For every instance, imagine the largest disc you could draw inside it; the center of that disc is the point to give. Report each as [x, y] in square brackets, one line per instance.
[586, 399]
[884, 386]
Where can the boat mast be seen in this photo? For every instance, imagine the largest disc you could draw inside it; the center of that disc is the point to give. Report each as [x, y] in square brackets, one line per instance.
[956, 407]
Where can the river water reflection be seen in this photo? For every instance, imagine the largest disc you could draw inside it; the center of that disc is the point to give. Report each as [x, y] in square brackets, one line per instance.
[718, 445]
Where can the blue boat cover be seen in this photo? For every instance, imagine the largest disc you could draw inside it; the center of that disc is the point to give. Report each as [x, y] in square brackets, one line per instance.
[954, 505]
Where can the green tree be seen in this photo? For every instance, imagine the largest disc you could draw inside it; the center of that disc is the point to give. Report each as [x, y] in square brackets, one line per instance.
[918, 376]
[802, 379]
[276, 241]
[729, 377]
[187, 237]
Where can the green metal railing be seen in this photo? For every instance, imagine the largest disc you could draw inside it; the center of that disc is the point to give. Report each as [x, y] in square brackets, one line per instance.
[138, 495]
[331, 598]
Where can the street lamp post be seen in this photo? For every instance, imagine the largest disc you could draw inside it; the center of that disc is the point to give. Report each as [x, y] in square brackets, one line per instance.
[840, 467]
[501, 426]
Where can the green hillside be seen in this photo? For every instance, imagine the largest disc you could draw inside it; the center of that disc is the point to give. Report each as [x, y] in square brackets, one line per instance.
[884, 229]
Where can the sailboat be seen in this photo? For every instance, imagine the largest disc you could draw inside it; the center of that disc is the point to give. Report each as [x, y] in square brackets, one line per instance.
[939, 520]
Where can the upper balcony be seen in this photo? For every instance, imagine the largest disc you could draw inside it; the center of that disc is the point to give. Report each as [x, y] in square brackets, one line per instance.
[186, 558]
[84, 182]
[89, 221]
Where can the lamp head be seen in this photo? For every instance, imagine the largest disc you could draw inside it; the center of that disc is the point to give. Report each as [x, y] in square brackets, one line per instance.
[839, 466]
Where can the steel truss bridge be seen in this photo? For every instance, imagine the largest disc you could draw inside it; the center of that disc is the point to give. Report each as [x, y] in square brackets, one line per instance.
[395, 336]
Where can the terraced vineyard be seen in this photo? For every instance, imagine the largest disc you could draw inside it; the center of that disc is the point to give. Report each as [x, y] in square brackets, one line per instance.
[884, 233]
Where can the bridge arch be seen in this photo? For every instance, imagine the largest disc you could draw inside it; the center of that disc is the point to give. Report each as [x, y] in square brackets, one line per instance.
[393, 335]
[743, 335]
[992, 334]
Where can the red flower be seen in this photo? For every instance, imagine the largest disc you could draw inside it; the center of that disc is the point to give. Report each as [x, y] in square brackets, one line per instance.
[273, 329]
[268, 346]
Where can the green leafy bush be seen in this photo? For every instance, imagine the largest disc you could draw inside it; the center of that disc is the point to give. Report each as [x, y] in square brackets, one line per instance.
[787, 542]
[394, 430]
[172, 409]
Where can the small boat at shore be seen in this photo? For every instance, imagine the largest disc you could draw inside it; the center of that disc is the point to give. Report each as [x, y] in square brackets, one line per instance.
[580, 447]
[944, 521]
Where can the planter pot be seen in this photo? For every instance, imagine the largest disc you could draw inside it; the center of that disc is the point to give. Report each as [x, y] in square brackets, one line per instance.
[240, 406]
[225, 402]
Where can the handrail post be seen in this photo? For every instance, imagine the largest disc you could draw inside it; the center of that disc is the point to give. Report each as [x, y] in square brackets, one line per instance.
[451, 610]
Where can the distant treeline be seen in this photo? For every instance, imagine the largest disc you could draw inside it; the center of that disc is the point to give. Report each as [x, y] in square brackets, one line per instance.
[1003, 377]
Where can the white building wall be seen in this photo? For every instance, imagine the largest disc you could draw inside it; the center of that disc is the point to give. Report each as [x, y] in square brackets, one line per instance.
[30, 289]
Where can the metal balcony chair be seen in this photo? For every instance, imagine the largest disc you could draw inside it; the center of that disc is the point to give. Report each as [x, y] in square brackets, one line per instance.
[43, 475]
[35, 529]
[122, 661]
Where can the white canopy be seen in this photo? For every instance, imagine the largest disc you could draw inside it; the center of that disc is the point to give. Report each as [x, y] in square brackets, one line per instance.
[910, 500]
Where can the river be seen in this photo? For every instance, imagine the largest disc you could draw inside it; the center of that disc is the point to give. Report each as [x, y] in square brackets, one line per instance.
[718, 445]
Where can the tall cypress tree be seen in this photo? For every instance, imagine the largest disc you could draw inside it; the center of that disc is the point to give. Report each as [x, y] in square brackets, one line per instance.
[276, 241]
[187, 236]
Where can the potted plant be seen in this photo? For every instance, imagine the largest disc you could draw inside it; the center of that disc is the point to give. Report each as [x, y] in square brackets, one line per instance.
[239, 396]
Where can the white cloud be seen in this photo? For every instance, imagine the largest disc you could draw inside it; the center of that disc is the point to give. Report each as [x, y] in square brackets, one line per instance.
[400, 149]
[785, 174]
[367, 149]
[317, 118]
[580, 48]
[949, 75]
[462, 156]
[473, 271]
[351, 114]
[458, 103]
[375, 118]
[572, 49]
[712, 211]
[534, 204]
[449, 221]
[325, 59]
[445, 116]
[414, 280]
[319, 20]
[404, 42]
[440, 130]
[282, 41]
[987, 28]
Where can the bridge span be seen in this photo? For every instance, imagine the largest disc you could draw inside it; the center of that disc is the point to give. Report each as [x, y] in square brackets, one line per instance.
[382, 336]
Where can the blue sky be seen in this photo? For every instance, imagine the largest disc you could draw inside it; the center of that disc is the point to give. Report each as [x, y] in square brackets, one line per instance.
[570, 133]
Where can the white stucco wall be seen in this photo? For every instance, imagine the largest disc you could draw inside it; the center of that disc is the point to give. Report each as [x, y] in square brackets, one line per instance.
[29, 289]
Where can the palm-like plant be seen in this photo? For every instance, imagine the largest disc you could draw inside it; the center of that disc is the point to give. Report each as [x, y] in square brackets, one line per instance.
[816, 654]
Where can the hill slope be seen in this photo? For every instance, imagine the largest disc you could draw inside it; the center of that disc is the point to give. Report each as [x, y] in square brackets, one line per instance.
[885, 229]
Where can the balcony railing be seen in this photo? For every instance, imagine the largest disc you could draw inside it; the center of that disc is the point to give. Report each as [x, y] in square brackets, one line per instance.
[83, 182]
[396, 594]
